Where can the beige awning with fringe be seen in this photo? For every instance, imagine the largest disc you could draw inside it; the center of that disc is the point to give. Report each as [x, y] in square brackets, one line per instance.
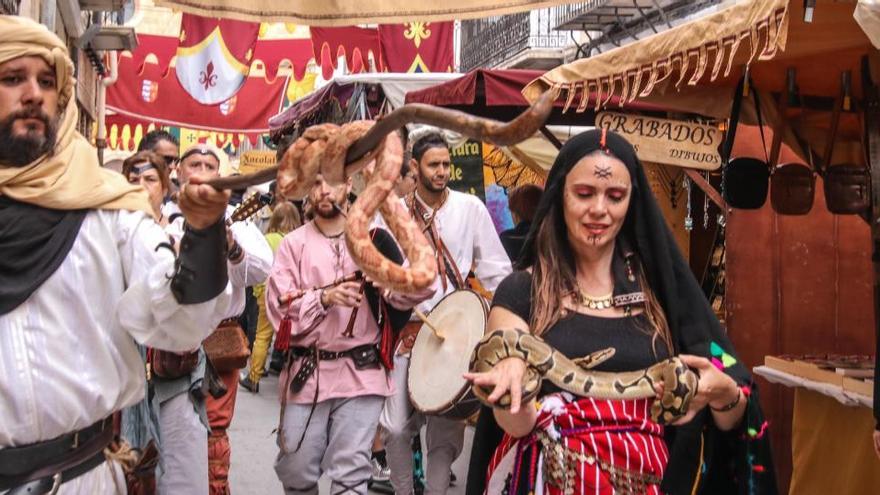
[351, 12]
[683, 55]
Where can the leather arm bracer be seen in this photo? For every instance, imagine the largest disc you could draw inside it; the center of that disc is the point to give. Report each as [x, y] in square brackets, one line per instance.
[200, 272]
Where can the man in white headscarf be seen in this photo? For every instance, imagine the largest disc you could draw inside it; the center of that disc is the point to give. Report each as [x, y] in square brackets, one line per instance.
[84, 268]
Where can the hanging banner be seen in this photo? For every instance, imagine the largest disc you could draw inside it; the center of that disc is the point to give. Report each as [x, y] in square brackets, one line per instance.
[150, 96]
[466, 173]
[671, 142]
[256, 160]
[354, 43]
[418, 46]
[214, 56]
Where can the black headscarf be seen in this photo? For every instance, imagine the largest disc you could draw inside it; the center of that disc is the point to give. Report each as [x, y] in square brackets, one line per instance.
[737, 461]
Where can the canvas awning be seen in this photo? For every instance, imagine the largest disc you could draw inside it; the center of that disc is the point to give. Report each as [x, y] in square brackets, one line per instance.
[351, 12]
[709, 47]
[692, 67]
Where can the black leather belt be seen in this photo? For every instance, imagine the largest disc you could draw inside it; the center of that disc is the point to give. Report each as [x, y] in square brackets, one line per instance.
[323, 355]
[42, 467]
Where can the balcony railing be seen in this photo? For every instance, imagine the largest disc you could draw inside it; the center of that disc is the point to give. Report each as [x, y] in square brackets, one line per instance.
[569, 12]
[9, 7]
[491, 41]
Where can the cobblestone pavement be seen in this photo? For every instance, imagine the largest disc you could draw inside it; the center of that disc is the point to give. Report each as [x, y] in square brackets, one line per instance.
[254, 449]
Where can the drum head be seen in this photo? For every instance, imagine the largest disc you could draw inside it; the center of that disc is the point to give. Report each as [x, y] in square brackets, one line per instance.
[435, 368]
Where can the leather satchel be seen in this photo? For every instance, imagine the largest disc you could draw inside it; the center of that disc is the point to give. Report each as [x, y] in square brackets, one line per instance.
[227, 347]
[744, 180]
[847, 189]
[792, 187]
[171, 365]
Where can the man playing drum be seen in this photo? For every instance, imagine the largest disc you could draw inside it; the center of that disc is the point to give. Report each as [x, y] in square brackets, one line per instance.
[463, 235]
[335, 382]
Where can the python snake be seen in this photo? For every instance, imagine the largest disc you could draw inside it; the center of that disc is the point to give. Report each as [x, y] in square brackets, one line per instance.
[577, 376]
[323, 149]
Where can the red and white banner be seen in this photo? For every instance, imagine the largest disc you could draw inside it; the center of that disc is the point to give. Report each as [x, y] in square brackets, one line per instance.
[145, 93]
[214, 57]
[418, 46]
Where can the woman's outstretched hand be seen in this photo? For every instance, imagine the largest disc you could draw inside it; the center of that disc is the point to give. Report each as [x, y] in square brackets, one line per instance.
[715, 388]
[506, 376]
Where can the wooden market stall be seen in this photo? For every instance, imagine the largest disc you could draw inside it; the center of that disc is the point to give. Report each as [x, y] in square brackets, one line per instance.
[799, 286]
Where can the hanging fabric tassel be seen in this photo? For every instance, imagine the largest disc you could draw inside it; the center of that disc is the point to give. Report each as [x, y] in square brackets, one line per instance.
[386, 341]
[282, 340]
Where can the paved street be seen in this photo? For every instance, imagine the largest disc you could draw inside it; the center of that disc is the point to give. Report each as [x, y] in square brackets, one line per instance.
[254, 449]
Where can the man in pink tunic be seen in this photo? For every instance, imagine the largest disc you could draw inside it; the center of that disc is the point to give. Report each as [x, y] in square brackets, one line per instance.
[336, 380]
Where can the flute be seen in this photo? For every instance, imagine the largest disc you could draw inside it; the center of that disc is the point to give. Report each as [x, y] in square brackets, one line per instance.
[286, 299]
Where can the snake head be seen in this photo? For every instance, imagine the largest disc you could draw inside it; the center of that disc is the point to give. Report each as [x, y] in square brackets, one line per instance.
[595, 359]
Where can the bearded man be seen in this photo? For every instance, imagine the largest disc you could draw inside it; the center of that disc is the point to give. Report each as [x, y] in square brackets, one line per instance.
[85, 271]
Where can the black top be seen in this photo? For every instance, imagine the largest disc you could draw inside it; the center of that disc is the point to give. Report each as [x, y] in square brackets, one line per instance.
[578, 334]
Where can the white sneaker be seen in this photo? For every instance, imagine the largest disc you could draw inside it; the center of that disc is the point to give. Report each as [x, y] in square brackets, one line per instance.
[380, 473]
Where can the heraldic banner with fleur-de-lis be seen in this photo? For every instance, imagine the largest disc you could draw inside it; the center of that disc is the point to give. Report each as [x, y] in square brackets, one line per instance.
[418, 46]
[214, 57]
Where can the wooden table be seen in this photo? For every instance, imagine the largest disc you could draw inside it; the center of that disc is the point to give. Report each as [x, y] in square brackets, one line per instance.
[832, 449]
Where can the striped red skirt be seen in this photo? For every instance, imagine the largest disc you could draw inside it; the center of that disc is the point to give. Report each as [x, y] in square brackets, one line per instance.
[583, 446]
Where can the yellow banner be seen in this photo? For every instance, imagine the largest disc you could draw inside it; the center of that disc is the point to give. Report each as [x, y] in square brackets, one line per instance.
[256, 160]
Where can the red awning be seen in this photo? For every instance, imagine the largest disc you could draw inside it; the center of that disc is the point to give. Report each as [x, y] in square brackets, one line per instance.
[496, 88]
[497, 93]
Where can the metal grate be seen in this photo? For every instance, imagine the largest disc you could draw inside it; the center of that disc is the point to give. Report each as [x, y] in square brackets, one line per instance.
[619, 21]
[9, 7]
[489, 42]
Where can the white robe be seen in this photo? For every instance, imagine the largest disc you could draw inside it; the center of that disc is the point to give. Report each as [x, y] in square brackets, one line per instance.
[67, 358]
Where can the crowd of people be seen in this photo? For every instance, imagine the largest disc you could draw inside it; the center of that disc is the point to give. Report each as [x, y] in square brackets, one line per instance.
[122, 347]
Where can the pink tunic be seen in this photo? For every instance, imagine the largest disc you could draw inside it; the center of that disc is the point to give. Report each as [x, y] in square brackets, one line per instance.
[307, 259]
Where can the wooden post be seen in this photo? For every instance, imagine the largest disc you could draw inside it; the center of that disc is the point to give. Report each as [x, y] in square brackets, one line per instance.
[872, 135]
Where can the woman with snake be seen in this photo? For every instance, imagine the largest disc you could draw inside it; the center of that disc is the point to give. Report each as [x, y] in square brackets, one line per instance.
[605, 308]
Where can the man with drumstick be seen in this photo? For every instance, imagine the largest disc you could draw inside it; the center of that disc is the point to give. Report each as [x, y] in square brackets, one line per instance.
[335, 383]
[460, 228]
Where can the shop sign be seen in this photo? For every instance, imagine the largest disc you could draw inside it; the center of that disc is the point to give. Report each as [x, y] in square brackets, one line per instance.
[466, 172]
[666, 141]
[256, 160]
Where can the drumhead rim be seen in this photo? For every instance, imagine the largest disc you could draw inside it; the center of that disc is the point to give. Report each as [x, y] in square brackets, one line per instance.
[463, 392]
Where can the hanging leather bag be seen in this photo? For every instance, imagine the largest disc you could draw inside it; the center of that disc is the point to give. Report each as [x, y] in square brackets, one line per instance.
[227, 347]
[744, 181]
[171, 365]
[847, 186]
[847, 189]
[792, 188]
[792, 185]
